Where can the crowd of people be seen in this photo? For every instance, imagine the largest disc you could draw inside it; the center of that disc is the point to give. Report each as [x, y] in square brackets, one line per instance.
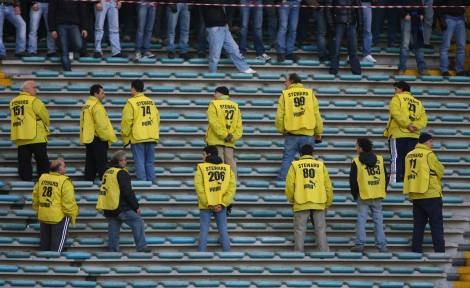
[356, 22]
[307, 183]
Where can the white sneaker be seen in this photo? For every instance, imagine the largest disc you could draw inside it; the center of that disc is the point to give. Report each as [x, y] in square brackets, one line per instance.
[138, 55]
[71, 56]
[264, 57]
[369, 58]
[249, 71]
[392, 178]
[149, 54]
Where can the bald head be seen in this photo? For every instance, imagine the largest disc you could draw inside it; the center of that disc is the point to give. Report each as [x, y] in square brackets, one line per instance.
[29, 87]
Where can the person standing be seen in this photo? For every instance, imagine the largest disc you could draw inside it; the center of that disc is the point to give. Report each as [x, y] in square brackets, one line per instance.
[367, 30]
[287, 30]
[54, 202]
[427, 22]
[252, 9]
[309, 189]
[407, 119]
[324, 41]
[96, 133]
[146, 11]
[423, 175]
[109, 10]
[215, 185]
[119, 204]
[29, 129]
[298, 119]
[140, 127]
[225, 126]
[368, 181]
[11, 10]
[39, 9]
[178, 13]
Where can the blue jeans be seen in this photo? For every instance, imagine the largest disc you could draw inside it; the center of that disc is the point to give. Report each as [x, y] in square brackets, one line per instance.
[204, 221]
[367, 36]
[8, 12]
[320, 33]
[109, 9]
[428, 19]
[287, 31]
[292, 145]
[182, 13]
[405, 48]
[257, 17]
[144, 158]
[455, 25]
[146, 20]
[134, 221]
[392, 15]
[68, 33]
[34, 19]
[351, 37]
[220, 37]
[271, 12]
[375, 207]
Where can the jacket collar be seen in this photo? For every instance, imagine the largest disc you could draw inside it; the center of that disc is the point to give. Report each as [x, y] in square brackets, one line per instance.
[295, 85]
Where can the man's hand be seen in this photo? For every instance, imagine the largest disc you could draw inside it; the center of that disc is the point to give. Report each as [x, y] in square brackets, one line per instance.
[98, 7]
[138, 211]
[412, 128]
[118, 4]
[318, 138]
[217, 208]
[84, 34]
[35, 7]
[54, 35]
[228, 138]
[407, 17]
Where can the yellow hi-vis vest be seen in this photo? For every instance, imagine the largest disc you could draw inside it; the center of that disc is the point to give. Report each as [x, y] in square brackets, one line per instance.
[371, 180]
[23, 119]
[298, 103]
[216, 179]
[309, 181]
[145, 125]
[230, 111]
[108, 198]
[417, 171]
[410, 107]
[88, 129]
[50, 198]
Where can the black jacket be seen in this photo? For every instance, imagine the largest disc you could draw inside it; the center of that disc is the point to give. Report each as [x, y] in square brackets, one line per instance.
[411, 10]
[369, 159]
[452, 11]
[127, 199]
[343, 15]
[214, 16]
[67, 12]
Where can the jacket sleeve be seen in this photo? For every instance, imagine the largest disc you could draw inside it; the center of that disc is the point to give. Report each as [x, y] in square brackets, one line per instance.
[35, 197]
[290, 185]
[227, 198]
[328, 188]
[199, 187]
[353, 181]
[318, 119]
[422, 122]
[214, 123]
[279, 121]
[41, 112]
[52, 15]
[126, 122]
[125, 189]
[437, 169]
[238, 131]
[395, 111]
[69, 206]
[101, 124]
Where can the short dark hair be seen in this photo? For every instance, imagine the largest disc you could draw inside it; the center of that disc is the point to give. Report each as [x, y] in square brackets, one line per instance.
[212, 155]
[365, 144]
[222, 90]
[211, 150]
[138, 85]
[295, 78]
[307, 149]
[95, 88]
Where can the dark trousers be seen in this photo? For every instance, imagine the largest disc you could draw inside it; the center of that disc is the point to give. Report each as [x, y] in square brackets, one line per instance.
[25, 167]
[53, 236]
[348, 31]
[96, 159]
[70, 40]
[425, 210]
[399, 147]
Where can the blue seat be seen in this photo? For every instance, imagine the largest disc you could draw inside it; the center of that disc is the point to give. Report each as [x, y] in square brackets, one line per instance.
[144, 284]
[456, 105]
[322, 255]
[432, 78]
[102, 74]
[329, 283]
[371, 270]
[186, 75]
[117, 60]
[305, 62]
[169, 115]
[271, 90]
[96, 270]
[131, 74]
[335, 116]
[113, 284]
[378, 77]
[298, 283]
[391, 284]
[170, 255]
[267, 283]
[342, 269]
[237, 284]
[181, 240]
[272, 240]
[174, 284]
[440, 92]
[11, 198]
[206, 283]
[360, 284]
[209, 75]
[329, 90]
[269, 76]
[82, 284]
[158, 74]
[242, 240]
[323, 77]
[430, 270]
[8, 268]
[191, 89]
[345, 103]
[408, 78]
[421, 285]
[195, 115]
[162, 88]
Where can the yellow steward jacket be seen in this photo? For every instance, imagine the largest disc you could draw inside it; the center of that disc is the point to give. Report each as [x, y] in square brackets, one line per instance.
[298, 112]
[94, 121]
[371, 180]
[29, 120]
[140, 120]
[308, 185]
[215, 184]
[110, 193]
[423, 174]
[405, 110]
[54, 198]
[224, 118]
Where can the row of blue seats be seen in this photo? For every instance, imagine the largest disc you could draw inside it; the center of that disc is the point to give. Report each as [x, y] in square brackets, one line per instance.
[216, 283]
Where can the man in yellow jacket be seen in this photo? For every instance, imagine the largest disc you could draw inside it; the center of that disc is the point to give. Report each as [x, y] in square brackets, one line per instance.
[54, 201]
[309, 189]
[298, 119]
[140, 127]
[225, 126]
[215, 185]
[422, 184]
[407, 119]
[29, 129]
[96, 133]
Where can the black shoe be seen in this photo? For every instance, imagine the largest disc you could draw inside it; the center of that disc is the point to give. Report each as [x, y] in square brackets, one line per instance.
[21, 54]
[324, 58]
[171, 55]
[281, 57]
[428, 46]
[185, 56]
[445, 74]
[119, 55]
[145, 249]
[52, 54]
[84, 54]
[292, 57]
[32, 54]
[462, 73]
[97, 55]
